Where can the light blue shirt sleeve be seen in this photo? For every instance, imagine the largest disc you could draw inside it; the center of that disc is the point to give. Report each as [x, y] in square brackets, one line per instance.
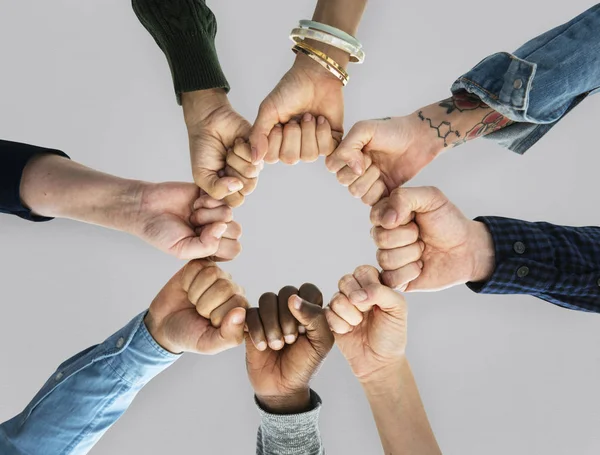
[541, 81]
[86, 395]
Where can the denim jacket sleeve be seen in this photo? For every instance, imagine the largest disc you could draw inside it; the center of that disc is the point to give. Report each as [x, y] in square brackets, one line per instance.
[86, 395]
[541, 81]
[559, 264]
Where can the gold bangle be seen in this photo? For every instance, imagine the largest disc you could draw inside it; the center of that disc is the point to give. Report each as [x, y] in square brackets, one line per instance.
[324, 60]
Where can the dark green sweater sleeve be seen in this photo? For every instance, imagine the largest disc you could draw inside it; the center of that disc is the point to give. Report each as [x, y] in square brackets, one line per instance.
[185, 31]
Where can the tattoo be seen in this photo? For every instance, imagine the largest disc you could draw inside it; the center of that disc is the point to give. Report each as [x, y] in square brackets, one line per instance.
[385, 118]
[461, 102]
[444, 129]
[493, 121]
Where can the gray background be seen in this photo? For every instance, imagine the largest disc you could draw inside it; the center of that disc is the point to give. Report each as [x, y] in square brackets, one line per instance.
[497, 374]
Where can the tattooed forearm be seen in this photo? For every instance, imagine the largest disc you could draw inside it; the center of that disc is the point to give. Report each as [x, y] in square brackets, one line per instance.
[443, 129]
[461, 102]
[493, 121]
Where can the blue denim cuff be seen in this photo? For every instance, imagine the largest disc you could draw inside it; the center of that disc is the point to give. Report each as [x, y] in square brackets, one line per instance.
[502, 81]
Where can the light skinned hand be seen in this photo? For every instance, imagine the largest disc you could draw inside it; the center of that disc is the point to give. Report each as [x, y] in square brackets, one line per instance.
[398, 148]
[213, 125]
[305, 88]
[368, 320]
[288, 339]
[199, 310]
[178, 219]
[426, 243]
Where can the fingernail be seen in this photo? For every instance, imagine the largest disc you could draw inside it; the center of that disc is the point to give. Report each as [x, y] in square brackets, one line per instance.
[261, 346]
[358, 296]
[276, 344]
[196, 204]
[422, 244]
[235, 186]
[278, 125]
[389, 217]
[254, 152]
[321, 120]
[220, 231]
[261, 165]
[420, 264]
[297, 302]
[292, 121]
[238, 318]
[301, 329]
[371, 232]
[307, 117]
[289, 339]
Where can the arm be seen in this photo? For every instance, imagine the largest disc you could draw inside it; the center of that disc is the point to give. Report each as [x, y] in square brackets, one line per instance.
[86, 395]
[199, 310]
[369, 321]
[174, 217]
[427, 244]
[281, 361]
[542, 81]
[512, 99]
[399, 413]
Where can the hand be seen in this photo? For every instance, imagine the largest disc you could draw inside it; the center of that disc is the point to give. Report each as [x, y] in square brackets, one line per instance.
[280, 373]
[199, 310]
[213, 126]
[426, 244]
[177, 219]
[305, 88]
[397, 147]
[369, 324]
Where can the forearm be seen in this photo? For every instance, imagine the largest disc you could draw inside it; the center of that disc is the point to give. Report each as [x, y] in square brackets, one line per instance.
[456, 120]
[399, 413]
[53, 186]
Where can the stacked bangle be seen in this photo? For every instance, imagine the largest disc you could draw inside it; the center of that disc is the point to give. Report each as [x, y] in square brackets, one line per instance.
[331, 36]
[357, 55]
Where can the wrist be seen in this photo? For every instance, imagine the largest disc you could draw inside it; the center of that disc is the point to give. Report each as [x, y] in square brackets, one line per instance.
[292, 403]
[313, 70]
[379, 382]
[200, 104]
[483, 253]
[156, 331]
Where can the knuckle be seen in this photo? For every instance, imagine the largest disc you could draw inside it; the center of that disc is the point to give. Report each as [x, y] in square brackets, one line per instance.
[211, 273]
[364, 270]
[345, 280]
[383, 258]
[225, 286]
[381, 237]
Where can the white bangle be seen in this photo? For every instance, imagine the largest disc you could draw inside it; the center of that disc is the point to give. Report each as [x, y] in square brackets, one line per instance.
[357, 55]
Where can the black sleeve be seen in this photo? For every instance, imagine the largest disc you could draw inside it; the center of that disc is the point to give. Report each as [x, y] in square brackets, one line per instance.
[13, 159]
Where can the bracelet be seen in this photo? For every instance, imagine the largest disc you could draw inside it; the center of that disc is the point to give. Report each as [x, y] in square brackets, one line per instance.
[357, 55]
[343, 77]
[325, 58]
[332, 31]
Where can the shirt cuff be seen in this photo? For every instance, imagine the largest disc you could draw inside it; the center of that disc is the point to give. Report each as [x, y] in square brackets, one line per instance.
[293, 433]
[524, 257]
[14, 156]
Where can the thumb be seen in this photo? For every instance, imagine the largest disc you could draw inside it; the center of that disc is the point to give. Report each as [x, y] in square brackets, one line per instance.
[379, 295]
[314, 320]
[349, 153]
[399, 208]
[216, 187]
[206, 244]
[267, 118]
[231, 331]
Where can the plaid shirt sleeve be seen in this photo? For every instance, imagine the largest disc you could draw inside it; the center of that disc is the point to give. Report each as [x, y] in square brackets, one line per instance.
[559, 264]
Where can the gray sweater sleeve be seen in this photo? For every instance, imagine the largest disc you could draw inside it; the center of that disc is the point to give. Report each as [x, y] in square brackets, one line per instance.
[295, 434]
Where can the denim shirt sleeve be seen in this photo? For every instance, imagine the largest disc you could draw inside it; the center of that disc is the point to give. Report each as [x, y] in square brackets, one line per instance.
[541, 81]
[86, 395]
[295, 434]
[14, 156]
[559, 264]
